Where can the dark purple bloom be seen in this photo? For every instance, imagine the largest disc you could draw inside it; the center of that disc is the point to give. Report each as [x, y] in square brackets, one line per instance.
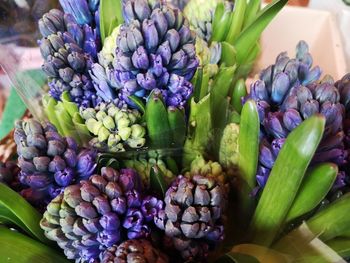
[150, 207]
[92, 216]
[86, 163]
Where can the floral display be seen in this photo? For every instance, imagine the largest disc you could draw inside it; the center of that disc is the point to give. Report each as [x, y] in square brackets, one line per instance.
[157, 143]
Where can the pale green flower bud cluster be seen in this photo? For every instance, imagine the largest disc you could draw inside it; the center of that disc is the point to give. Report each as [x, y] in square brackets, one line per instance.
[106, 55]
[143, 167]
[228, 153]
[200, 166]
[114, 128]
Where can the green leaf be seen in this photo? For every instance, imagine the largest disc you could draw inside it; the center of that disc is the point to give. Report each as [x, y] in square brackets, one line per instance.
[15, 108]
[219, 95]
[313, 190]
[285, 179]
[49, 105]
[247, 39]
[66, 123]
[13, 111]
[260, 253]
[157, 122]
[172, 165]
[304, 246]
[138, 102]
[204, 88]
[177, 124]
[237, 21]
[16, 247]
[248, 143]
[157, 181]
[251, 11]
[228, 54]
[199, 129]
[197, 83]
[15, 209]
[81, 129]
[70, 106]
[110, 16]
[221, 23]
[341, 246]
[333, 221]
[239, 92]
[233, 257]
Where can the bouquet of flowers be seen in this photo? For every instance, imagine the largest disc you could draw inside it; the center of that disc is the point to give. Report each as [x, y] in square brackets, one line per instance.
[152, 148]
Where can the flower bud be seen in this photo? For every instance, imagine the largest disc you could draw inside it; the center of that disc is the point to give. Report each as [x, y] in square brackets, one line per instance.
[124, 133]
[103, 134]
[108, 122]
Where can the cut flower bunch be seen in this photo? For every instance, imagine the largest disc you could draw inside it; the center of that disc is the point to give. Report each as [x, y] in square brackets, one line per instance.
[151, 147]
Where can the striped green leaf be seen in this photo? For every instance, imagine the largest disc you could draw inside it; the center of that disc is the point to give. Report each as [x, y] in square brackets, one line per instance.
[285, 179]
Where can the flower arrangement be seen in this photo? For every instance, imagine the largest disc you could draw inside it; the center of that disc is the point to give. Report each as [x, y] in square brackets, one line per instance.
[153, 149]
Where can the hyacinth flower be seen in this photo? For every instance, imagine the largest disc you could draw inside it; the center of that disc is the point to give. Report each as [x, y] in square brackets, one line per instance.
[200, 14]
[100, 213]
[114, 128]
[192, 216]
[134, 251]
[9, 172]
[180, 4]
[85, 12]
[48, 161]
[289, 92]
[68, 51]
[155, 49]
[276, 81]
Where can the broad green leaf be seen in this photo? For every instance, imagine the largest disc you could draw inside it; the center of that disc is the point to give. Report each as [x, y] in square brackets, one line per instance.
[199, 130]
[15, 209]
[251, 34]
[243, 70]
[341, 246]
[157, 122]
[13, 111]
[15, 108]
[66, 123]
[219, 94]
[49, 105]
[248, 143]
[221, 23]
[177, 124]
[81, 128]
[228, 54]
[197, 83]
[239, 92]
[251, 11]
[110, 16]
[285, 179]
[70, 106]
[333, 221]
[204, 88]
[262, 254]
[172, 165]
[304, 246]
[237, 21]
[16, 247]
[313, 190]
[233, 257]
[139, 103]
[157, 182]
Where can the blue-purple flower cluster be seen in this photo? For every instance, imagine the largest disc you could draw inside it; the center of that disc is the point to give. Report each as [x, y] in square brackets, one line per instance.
[99, 213]
[48, 161]
[286, 94]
